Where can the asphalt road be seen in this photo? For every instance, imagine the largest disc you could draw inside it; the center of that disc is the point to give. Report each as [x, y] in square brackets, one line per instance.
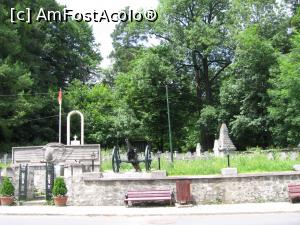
[249, 219]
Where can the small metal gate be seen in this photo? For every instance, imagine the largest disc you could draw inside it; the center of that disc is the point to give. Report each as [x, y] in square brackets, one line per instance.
[183, 191]
[23, 171]
[49, 180]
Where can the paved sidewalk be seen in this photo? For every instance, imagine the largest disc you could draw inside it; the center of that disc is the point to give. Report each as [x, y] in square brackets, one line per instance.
[249, 208]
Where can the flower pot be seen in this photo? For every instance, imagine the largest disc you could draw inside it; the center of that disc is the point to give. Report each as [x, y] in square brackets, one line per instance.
[60, 200]
[7, 200]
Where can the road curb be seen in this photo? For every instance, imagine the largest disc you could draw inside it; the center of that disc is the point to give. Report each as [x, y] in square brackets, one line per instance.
[147, 214]
[111, 211]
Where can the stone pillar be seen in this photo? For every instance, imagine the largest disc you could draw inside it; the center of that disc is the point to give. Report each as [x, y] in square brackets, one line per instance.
[30, 183]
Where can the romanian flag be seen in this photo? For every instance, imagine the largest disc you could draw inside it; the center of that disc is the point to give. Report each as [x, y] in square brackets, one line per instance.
[59, 98]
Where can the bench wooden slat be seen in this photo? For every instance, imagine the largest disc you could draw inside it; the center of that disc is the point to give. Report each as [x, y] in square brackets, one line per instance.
[148, 195]
[294, 194]
[151, 191]
[294, 185]
[143, 194]
[294, 190]
[148, 199]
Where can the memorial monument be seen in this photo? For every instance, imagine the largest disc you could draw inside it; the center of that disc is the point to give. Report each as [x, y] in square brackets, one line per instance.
[224, 143]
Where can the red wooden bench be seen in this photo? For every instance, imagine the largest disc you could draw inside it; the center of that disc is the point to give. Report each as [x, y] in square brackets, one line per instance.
[294, 192]
[149, 196]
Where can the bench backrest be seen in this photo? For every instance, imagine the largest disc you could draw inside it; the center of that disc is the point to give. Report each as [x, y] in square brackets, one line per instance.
[294, 188]
[149, 193]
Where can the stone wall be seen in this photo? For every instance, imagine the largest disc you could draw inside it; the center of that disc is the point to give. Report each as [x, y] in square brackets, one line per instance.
[75, 160]
[36, 176]
[92, 189]
[69, 153]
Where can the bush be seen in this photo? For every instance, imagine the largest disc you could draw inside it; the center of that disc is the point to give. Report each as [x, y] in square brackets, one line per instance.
[59, 187]
[7, 188]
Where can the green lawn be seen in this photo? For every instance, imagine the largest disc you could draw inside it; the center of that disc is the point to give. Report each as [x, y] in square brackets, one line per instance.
[246, 163]
[2, 165]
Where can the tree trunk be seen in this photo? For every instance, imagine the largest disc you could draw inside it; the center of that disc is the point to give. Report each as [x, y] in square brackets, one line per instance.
[208, 93]
[161, 142]
[198, 83]
[197, 69]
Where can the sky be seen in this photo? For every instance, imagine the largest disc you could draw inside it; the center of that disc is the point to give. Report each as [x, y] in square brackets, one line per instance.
[103, 30]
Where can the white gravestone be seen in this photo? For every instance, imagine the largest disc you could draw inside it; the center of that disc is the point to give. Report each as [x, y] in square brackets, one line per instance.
[283, 156]
[293, 156]
[216, 148]
[75, 141]
[198, 149]
[189, 155]
[270, 156]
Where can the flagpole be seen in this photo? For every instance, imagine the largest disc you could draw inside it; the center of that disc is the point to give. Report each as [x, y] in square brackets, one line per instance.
[59, 123]
[59, 129]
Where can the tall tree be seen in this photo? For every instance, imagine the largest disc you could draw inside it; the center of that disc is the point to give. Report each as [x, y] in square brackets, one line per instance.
[244, 95]
[198, 34]
[143, 89]
[35, 58]
[285, 107]
[202, 37]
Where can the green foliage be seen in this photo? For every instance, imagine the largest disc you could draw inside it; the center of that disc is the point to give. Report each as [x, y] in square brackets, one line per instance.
[191, 135]
[39, 58]
[144, 92]
[202, 39]
[6, 187]
[285, 107]
[208, 124]
[244, 96]
[3, 165]
[223, 61]
[296, 20]
[14, 79]
[59, 187]
[97, 103]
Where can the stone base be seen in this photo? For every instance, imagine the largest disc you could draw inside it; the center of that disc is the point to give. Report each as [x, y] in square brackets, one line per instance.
[229, 171]
[158, 174]
[296, 167]
[92, 175]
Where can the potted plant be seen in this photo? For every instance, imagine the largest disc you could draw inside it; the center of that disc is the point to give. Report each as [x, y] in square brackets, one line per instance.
[7, 190]
[59, 192]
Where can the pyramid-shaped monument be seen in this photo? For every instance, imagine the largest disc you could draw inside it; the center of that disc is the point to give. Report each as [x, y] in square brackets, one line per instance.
[224, 140]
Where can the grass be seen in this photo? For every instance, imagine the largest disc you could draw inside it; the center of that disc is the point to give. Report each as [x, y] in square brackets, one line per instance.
[246, 163]
[3, 165]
